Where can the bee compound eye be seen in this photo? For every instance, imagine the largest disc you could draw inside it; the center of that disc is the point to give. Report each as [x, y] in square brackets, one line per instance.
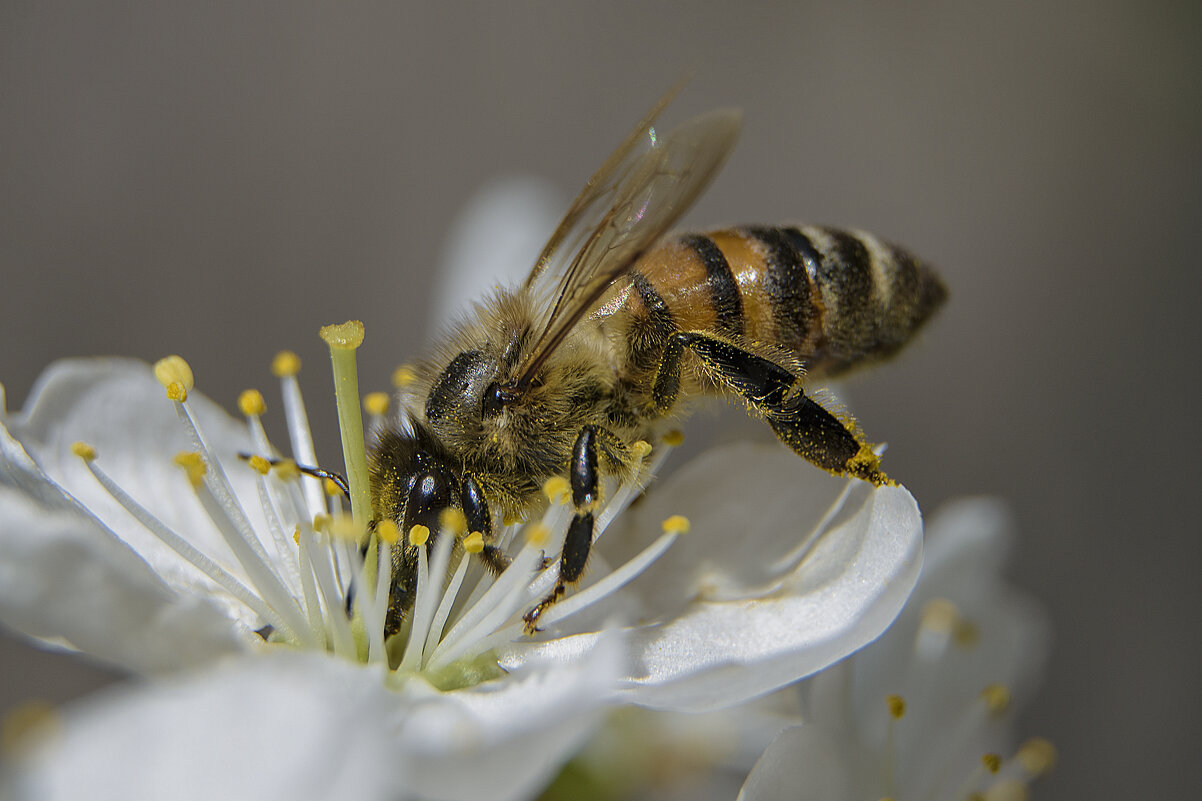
[496, 398]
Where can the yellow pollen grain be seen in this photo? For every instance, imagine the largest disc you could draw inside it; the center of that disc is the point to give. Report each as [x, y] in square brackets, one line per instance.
[992, 762]
[296, 535]
[940, 615]
[286, 363]
[897, 706]
[641, 449]
[321, 522]
[174, 370]
[331, 487]
[474, 542]
[674, 437]
[996, 698]
[557, 489]
[84, 451]
[1037, 756]
[511, 519]
[388, 531]
[1008, 790]
[348, 335]
[403, 376]
[453, 522]
[418, 535]
[286, 470]
[259, 465]
[676, 524]
[538, 535]
[376, 403]
[25, 724]
[251, 403]
[194, 466]
[177, 392]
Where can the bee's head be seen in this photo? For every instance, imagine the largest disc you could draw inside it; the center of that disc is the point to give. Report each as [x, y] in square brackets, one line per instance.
[411, 480]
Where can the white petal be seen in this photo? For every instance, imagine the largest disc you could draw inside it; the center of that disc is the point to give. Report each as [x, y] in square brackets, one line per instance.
[66, 581]
[299, 725]
[289, 726]
[118, 407]
[506, 739]
[722, 629]
[812, 762]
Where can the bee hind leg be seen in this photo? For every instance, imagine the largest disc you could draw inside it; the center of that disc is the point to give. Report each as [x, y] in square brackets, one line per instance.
[585, 481]
[812, 432]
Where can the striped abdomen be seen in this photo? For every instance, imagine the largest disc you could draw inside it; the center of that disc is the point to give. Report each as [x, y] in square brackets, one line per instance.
[834, 298]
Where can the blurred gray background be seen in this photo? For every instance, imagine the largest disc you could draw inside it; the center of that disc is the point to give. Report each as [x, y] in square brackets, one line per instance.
[220, 179]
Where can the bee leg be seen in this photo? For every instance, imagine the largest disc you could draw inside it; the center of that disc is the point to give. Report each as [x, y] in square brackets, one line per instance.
[811, 431]
[586, 495]
[475, 510]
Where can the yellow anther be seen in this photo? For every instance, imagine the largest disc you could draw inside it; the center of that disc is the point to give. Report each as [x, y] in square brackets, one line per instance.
[331, 487]
[992, 762]
[194, 466]
[321, 521]
[674, 437]
[348, 335]
[376, 403]
[1037, 756]
[557, 489]
[996, 698]
[388, 531]
[940, 615]
[897, 706]
[177, 392]
[251, 403]
[1008, 790]
[676, 524]
[296, 535]
[403, 376]
[285, 363]
[641, 449]
[474, 542]
[84, 451]
[538, 535]
[343, 527]
[174, 370]
[259, 465]
[286, 470]
[418, 535]
[452, 522]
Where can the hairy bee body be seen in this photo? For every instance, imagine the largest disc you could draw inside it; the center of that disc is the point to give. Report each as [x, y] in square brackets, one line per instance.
[602, 345]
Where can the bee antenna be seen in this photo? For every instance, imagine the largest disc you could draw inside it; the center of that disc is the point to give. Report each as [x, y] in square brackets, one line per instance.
[316, 472]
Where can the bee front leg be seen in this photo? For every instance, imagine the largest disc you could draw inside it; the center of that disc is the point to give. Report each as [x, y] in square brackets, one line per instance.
[475, 511]
[586, 496]
[811, 431]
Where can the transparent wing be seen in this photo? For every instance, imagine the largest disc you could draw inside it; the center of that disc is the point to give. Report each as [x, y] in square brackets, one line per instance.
[623, 210]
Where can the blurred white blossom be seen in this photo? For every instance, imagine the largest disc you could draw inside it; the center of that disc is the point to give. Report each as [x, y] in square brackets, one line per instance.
[928, 710]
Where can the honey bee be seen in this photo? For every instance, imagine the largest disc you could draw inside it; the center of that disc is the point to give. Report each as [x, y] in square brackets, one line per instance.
[617, 328]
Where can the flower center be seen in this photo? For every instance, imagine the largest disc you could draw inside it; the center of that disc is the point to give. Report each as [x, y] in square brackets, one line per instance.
[314, 576]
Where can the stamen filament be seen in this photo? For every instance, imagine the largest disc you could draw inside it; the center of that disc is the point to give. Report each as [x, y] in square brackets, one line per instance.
[444, 607]
[498, 602]
[301, 440]
[793, 558]
[379, 604]
[271, 588]
[194, 557]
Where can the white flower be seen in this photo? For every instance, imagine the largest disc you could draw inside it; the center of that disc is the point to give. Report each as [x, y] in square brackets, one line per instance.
[927, 711]
[728, 615]
[223, 584]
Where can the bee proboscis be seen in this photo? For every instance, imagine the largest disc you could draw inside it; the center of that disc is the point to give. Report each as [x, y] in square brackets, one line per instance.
[617, 328]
